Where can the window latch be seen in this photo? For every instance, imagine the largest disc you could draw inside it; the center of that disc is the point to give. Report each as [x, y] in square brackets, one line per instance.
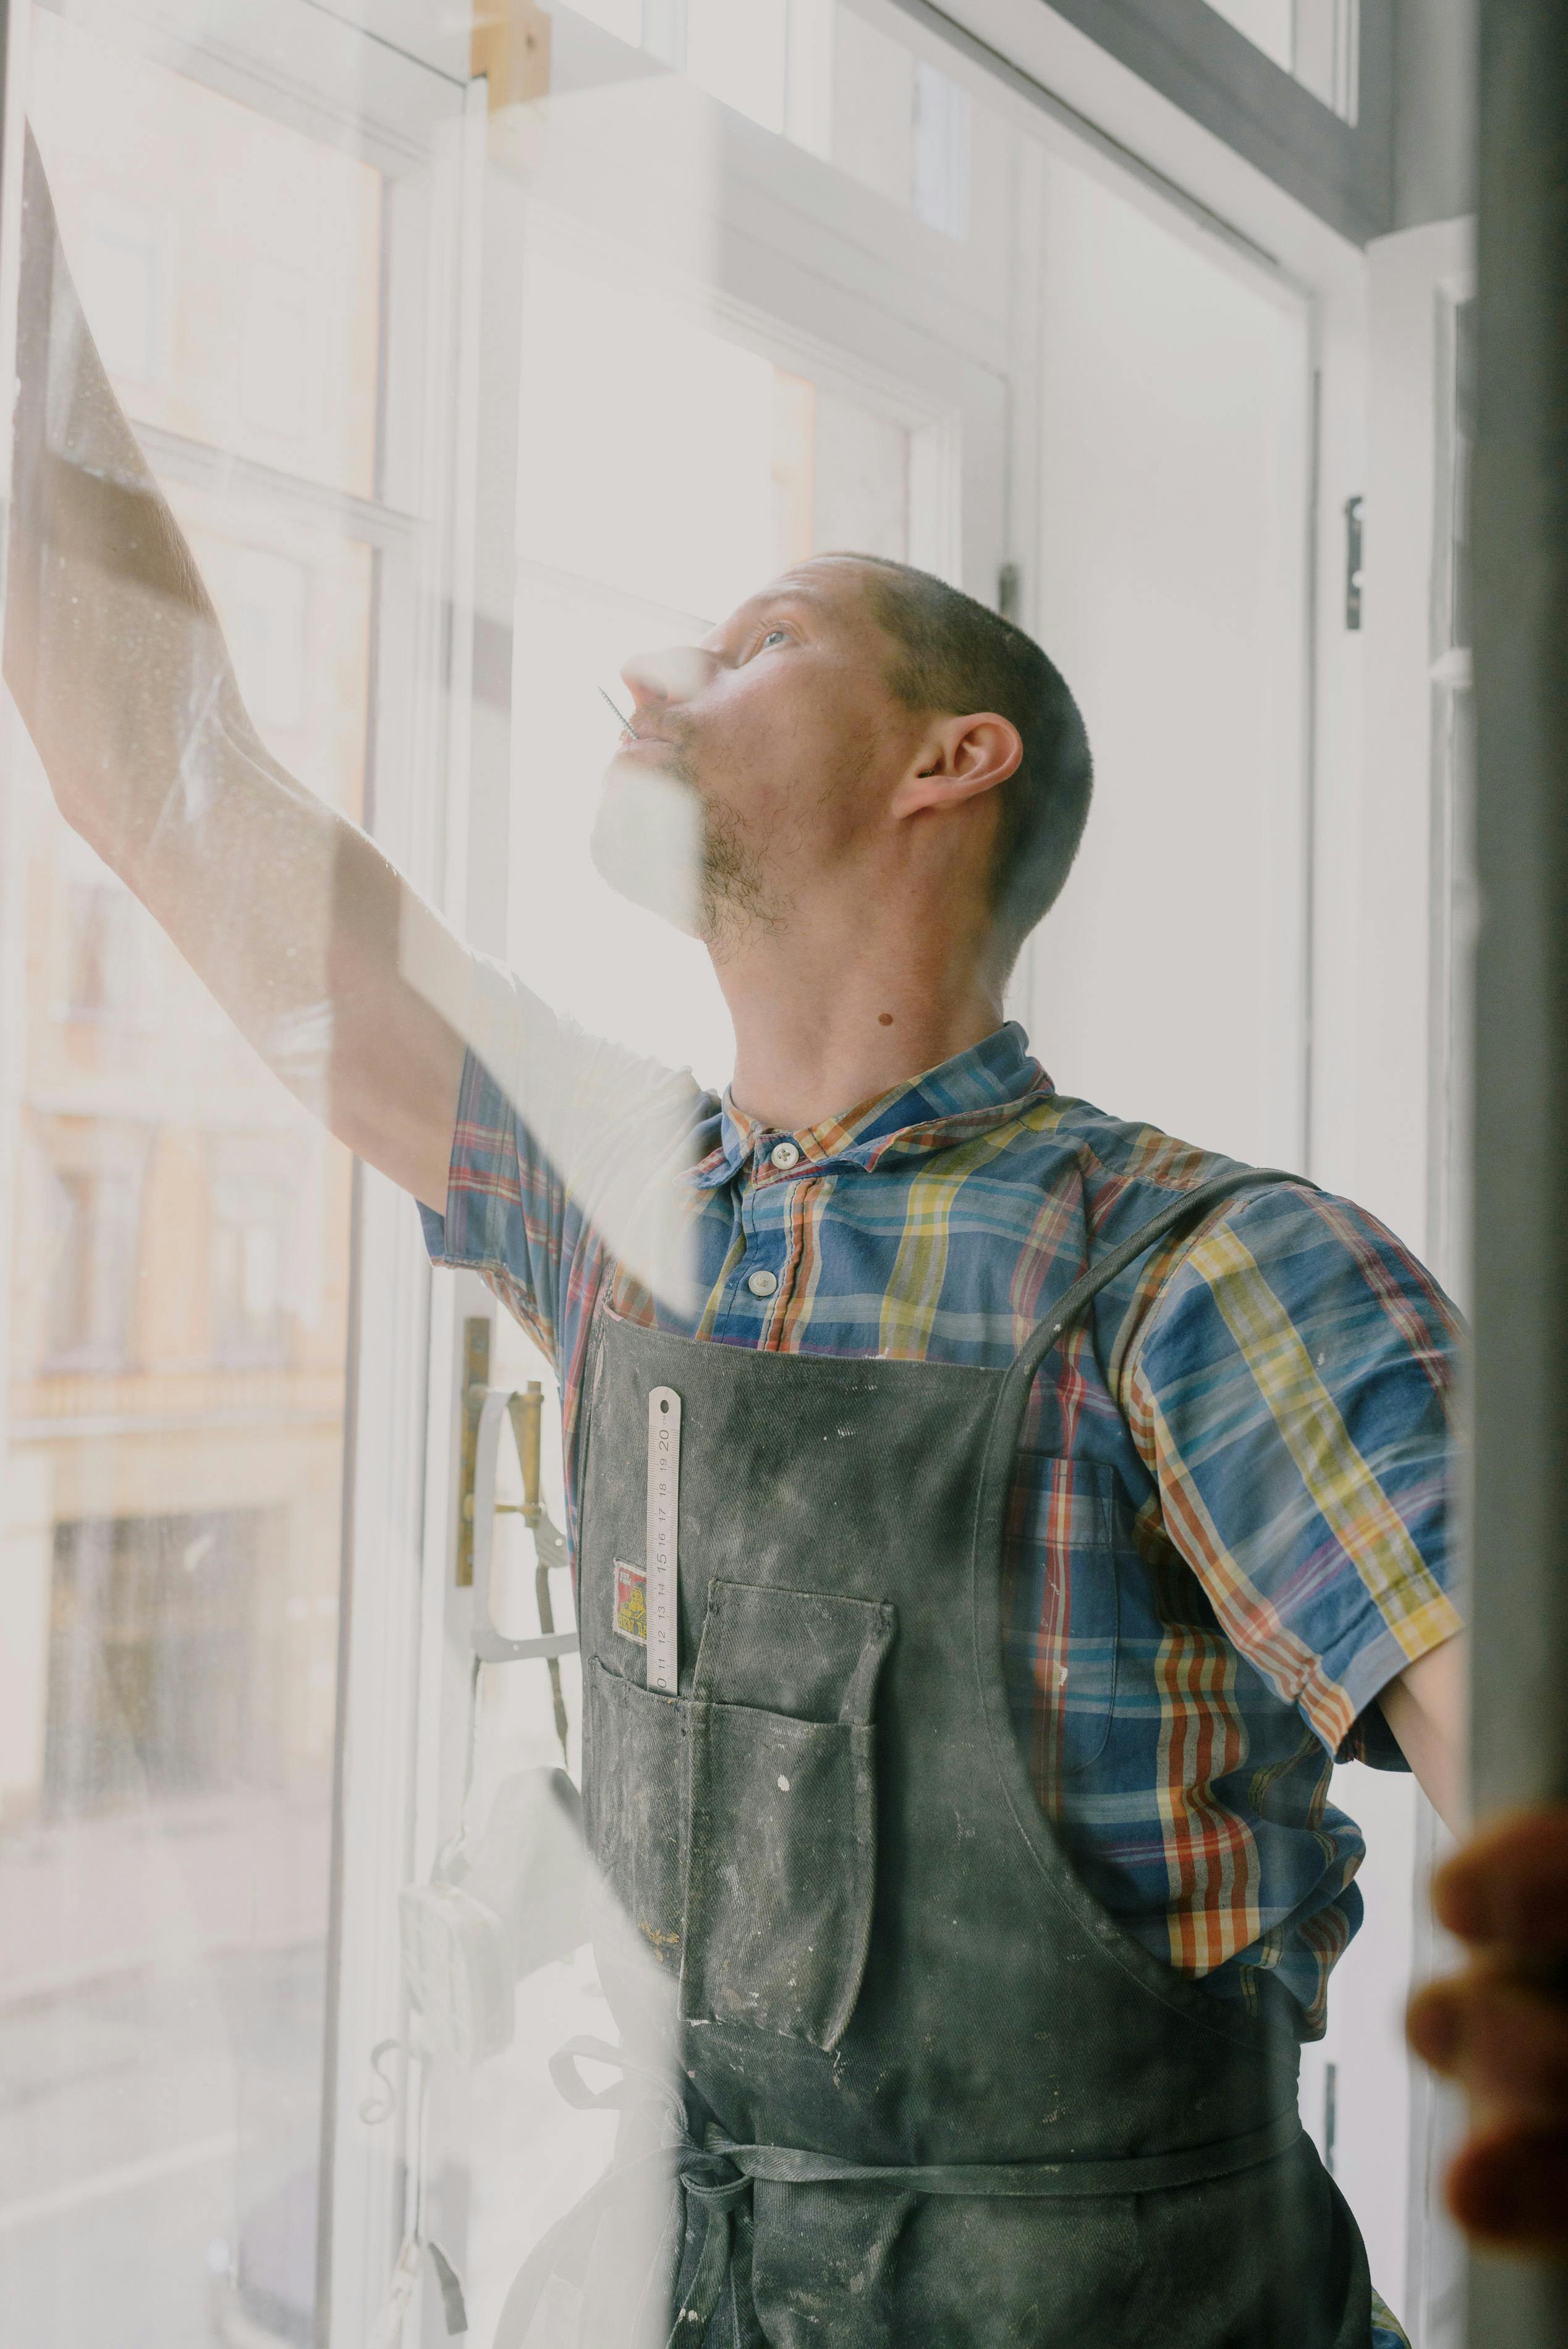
[488, 1414]
[1353, 510]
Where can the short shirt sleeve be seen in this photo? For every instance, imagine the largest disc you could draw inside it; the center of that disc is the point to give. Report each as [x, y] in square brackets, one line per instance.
[1292, 1393]
[561, 1156]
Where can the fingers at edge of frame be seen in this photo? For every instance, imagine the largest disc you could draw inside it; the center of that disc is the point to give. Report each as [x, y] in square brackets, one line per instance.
[1508, 2186]
[1509, 1884]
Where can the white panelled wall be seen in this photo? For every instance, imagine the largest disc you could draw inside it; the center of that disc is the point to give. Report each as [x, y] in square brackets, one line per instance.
[1173, 575]
[1251, 949]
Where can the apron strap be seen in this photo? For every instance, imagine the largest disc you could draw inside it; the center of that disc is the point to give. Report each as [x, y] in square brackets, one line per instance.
[1187, 1208]
[1153, 2173]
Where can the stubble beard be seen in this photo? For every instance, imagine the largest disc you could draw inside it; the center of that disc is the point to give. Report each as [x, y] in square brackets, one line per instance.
[662, 845]
[737, 899]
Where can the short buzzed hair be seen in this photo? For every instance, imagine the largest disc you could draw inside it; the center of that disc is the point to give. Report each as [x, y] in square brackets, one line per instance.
[955, 656]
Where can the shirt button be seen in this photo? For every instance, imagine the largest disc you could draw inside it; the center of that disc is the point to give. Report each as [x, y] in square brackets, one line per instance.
[762, 1284]
[784, 1155]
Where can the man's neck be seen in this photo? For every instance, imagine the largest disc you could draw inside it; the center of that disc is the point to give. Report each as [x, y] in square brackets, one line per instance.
[817, 1033]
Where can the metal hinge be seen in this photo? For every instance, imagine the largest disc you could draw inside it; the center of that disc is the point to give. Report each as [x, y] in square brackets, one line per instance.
[476, 1386]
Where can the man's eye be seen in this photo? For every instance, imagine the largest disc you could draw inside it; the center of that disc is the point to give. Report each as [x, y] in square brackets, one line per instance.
[778, 636]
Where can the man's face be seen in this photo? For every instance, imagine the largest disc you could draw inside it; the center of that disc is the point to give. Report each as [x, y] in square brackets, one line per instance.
[758, 761]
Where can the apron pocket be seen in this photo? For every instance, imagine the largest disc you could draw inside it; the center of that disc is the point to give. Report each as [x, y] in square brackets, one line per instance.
[634, 1805]
[781, 1871]
[783, 1866]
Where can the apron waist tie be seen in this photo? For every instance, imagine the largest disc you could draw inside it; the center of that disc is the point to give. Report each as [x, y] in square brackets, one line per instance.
[1137, 2174]
[719, 2174]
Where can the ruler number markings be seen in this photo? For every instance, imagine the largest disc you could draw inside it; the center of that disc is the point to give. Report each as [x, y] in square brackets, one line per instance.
[664, 1539]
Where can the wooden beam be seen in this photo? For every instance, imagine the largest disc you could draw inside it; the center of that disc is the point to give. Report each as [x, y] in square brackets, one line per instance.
[510, 49]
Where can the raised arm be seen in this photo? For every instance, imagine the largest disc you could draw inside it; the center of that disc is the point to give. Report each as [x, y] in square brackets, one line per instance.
[344, 980]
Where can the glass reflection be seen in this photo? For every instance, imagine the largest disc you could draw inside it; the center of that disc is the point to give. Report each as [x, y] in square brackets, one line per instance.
[179, 1293]
[212, 2130]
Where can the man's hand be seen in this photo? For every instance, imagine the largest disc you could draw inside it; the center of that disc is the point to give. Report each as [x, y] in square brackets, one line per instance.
[1501, 2029]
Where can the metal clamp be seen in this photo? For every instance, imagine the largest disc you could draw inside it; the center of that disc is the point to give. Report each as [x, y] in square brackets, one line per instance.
[522, 1413]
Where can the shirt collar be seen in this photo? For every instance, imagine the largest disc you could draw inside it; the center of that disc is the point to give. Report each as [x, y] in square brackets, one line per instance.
[982, 1087]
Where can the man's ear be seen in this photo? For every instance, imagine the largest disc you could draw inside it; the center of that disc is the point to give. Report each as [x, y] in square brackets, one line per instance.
[958, 759]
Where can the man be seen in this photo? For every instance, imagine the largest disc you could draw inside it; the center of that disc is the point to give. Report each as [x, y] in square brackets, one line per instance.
[1056, 1501]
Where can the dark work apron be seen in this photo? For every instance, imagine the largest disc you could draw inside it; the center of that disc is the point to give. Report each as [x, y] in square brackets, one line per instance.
[930, 2094]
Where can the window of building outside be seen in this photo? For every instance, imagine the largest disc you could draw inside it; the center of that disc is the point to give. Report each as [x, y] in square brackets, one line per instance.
[102, 938]
[94, 1234]
[153, 1661]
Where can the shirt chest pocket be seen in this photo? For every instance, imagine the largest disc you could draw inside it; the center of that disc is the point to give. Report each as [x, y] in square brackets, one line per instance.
[1070, 1554]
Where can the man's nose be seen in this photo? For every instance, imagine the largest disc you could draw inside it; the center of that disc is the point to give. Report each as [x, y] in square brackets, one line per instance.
[678, 673]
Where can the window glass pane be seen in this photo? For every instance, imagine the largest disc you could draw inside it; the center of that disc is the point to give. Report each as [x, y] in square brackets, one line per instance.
[1315, 40]
[1269, 23]
[172, 1489]
[741, 56]
[940, 179]
[623, 17]
[247, 321]
[675, 485]
[874, 109]
[810, 66]
[835, 83]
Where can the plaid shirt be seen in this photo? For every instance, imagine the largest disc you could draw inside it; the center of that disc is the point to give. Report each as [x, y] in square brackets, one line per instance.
[1228, 1527]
